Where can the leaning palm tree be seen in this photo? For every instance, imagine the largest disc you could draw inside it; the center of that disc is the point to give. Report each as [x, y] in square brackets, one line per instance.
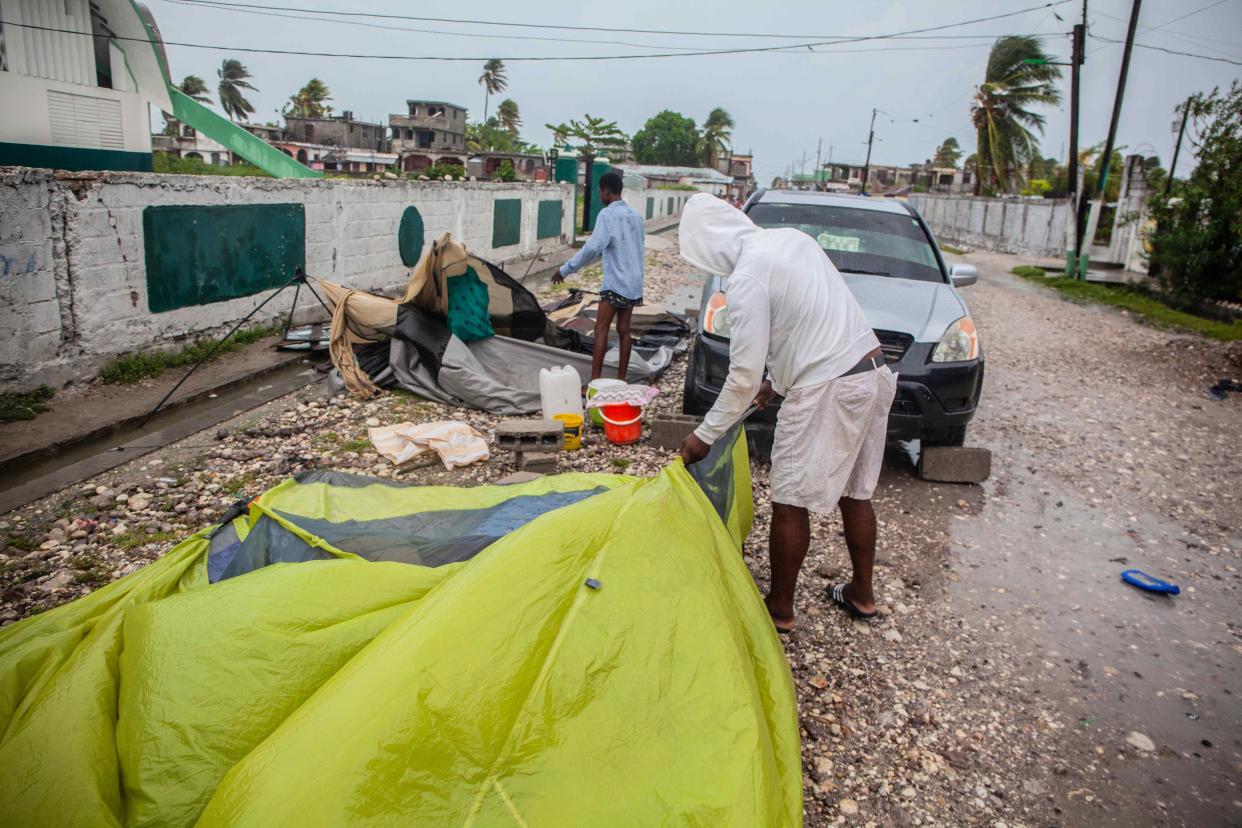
[311, 100]
[196, 88]
[717, 133]
[509, 116]
[493, 81]
[233, 77]
[593, 135]
[1018, 77]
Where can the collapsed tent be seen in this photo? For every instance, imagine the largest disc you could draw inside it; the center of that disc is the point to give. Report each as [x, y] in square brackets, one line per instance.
[463, 333]
[352, 650]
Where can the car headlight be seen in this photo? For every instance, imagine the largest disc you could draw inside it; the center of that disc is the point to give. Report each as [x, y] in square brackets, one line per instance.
[716, 317]
[959, 343]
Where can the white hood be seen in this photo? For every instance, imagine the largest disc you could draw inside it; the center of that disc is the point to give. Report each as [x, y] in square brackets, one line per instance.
[712, 233]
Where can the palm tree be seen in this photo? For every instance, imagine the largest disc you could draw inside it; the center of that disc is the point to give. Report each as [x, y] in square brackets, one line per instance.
[508, 115]
[311, 100]
[593, 135]
[948, 153]
[1019, 76]
[233, 77]
[196, 88]
[717, 135]
[493, 81]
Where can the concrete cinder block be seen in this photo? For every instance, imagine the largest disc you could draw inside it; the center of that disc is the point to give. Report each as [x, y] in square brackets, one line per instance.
[530, 435]
[952, 464]
[536, 462]
[668, 430]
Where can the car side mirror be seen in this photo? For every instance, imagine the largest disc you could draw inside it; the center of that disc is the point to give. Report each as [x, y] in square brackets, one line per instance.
[962, 275]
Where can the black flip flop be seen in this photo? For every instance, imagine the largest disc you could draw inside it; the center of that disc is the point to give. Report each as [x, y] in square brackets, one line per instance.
[783, 630]
[836, 592]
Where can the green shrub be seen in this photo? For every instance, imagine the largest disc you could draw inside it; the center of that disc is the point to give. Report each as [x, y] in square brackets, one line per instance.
[1196, 248]
[24, 406]
[505, 172]
[438, 170]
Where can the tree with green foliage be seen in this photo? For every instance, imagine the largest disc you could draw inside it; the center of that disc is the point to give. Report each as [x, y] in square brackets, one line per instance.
[947, 154]
[493, 80]
[1196, 248]
[505, 172]
[234, 77]
[310, 101]
[593, 135]
[667, 138]
[717, 137]
[1019, 77]
[495, 138]
[195, 88]
[509, 115]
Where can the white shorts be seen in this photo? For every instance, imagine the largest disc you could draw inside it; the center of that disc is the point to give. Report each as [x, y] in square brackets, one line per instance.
[830, 440]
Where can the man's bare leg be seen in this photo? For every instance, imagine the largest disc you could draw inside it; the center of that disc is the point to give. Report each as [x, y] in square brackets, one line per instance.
[623, 335]
[788, 542]
[859, 519]
[603, 321]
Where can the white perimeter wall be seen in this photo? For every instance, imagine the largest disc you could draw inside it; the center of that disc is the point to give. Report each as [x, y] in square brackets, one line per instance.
[1034, 227]
[73, 284]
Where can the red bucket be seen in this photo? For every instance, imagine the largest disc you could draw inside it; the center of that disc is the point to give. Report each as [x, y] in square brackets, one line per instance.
[622, 423]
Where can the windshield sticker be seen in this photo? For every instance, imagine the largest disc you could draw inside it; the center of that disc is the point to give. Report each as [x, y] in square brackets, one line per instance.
[846, 244]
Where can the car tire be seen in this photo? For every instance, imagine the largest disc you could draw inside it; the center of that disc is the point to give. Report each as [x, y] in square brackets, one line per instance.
[953, 436]
[689, 405]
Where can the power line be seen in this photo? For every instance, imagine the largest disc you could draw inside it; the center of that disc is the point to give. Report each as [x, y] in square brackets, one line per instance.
[562, 27]
[1171, 51]
[459, 58]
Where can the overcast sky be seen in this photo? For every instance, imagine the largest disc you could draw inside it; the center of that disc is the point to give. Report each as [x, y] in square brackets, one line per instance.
[783, 102]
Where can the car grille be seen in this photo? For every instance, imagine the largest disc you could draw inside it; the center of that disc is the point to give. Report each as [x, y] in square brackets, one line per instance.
[893, 345]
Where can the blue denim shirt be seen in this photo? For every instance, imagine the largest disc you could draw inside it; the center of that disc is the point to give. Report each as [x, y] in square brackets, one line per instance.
[618, 238]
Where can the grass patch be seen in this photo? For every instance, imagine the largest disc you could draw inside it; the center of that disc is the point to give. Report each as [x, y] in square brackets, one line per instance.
[1137, 300]
[24, 406]
[621, 463]
[23, 542]
[238, 483]
[956, 251]
[360, 445]
[166, 162]
[130, 368]
[132, 540]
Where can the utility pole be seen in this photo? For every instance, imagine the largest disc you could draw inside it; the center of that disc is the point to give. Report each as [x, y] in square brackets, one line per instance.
[1177, 148]
[818, 147]
[1112, 128]
[802, 169]
[1076, 60]
[867, 163]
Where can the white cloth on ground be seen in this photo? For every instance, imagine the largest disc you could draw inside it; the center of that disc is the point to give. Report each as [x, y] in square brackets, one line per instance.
[789, 309]
[627, 394]
[830, 440]
[456, 442]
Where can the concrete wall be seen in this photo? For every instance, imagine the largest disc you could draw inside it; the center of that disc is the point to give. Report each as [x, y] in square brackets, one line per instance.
[1034, 227]
[73, 279]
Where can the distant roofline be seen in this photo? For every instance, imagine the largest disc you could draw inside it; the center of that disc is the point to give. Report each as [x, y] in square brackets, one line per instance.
[336, 118]
[409, 101]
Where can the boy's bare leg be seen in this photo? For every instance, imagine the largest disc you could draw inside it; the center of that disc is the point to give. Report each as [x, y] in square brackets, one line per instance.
[623, 334]
[603, 321]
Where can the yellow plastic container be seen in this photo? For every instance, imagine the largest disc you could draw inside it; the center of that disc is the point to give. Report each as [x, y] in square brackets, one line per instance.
[573, 430]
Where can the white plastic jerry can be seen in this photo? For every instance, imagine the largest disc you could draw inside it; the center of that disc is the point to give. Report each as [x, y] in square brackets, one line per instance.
[560, 391]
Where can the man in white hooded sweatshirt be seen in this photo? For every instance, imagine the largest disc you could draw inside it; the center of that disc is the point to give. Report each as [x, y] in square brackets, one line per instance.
[792, 315]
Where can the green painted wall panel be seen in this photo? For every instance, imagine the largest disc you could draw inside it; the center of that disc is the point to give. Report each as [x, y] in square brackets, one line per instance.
[670, 205]
[549, 224]
[506, 222]
[72, 158]
[410, 236]
[196, 255]
[650, 207]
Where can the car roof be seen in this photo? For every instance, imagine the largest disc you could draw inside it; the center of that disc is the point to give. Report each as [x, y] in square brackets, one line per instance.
[855, 202]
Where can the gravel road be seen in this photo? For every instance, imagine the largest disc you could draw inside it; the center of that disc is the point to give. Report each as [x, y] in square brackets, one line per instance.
[1012, 679]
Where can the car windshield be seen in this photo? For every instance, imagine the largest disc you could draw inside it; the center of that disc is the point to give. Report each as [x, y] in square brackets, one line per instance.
[857, 240]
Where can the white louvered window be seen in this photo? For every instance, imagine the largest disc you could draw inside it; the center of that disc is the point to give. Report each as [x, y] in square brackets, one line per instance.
[83, 121]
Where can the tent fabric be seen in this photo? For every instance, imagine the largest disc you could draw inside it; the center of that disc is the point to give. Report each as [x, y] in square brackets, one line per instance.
[536, 664]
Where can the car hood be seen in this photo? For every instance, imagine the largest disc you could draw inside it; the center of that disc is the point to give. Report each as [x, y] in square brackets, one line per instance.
[922, 309]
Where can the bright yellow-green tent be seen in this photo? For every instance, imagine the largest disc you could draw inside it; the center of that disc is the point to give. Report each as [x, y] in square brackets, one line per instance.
[578, 650]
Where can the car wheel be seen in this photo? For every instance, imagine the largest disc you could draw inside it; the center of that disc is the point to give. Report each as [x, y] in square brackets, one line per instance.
[954, 436]
[689, 405]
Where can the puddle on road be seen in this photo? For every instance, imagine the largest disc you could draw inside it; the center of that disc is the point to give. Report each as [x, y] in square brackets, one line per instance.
[1048, 564]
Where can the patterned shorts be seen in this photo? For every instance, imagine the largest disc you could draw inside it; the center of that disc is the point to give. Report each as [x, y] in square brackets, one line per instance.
[618, 301]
